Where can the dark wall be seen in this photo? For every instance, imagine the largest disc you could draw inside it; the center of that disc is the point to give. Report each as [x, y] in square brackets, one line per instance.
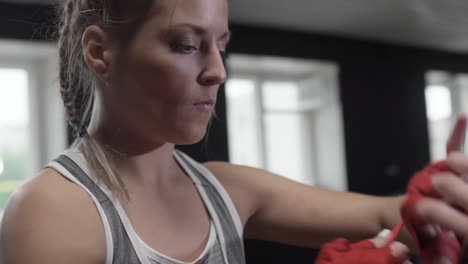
[26, 22]
[382, 94]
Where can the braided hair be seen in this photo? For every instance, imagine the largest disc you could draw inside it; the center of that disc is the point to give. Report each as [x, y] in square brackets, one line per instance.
[78, 83]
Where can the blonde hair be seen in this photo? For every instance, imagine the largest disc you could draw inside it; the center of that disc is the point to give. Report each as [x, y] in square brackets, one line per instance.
[78, 83]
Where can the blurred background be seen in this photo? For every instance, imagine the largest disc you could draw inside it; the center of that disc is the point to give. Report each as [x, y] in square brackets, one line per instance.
[346, 95]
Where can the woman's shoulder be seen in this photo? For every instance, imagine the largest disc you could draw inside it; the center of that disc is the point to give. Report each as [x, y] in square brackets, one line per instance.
[240, 183]
[239, 175]
[50, 220]
[246, 179]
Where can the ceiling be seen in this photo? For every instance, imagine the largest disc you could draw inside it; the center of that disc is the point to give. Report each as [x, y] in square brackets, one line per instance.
[440, 24]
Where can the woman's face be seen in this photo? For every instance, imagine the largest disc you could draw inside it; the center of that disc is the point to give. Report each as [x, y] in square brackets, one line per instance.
[164, 82]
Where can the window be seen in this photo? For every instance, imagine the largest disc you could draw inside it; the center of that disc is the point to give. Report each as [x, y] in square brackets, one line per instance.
[446, 96]
[14, 126]
[32, 122]
[242, 111]
[284, 116]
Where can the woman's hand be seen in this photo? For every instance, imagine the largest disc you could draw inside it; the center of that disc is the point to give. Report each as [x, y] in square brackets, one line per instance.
[424, 211]
[434, 211]
[378, 250]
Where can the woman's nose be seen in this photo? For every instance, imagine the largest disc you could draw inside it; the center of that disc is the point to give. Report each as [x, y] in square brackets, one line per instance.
[214, 72]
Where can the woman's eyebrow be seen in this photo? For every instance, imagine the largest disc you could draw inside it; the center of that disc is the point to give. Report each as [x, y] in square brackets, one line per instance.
[195, 28]
[200, 30]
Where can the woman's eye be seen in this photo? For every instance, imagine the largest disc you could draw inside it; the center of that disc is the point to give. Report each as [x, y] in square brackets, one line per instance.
[223, 54]
[183, 48]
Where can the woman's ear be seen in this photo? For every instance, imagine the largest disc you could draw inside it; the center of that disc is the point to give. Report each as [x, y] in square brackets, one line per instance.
[97, 51]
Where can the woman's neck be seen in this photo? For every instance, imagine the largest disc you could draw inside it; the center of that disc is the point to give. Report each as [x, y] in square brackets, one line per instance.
[155, 168]
[140, 164]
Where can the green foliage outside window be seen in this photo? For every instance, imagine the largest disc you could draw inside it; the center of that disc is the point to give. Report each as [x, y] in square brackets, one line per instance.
[13, 175]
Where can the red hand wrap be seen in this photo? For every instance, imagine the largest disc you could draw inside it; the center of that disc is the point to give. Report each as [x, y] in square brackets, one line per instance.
[443, 244]
[341, 251]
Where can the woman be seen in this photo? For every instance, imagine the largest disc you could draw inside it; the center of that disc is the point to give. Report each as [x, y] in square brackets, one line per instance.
[149, 72]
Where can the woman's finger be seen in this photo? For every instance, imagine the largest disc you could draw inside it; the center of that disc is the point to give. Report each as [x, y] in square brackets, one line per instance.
[382, 238]
[438, 212]
[458, 162]
[457, 137]
[442, 260]
[452, 188]
[399, 250]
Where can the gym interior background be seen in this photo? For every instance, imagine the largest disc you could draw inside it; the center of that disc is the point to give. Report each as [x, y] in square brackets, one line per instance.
[369, 90]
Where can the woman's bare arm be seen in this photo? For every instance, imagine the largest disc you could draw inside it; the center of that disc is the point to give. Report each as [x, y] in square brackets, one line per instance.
[282, 210]
[51, 220]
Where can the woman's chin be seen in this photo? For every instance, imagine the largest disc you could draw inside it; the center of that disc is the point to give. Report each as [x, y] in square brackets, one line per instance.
[191, 138]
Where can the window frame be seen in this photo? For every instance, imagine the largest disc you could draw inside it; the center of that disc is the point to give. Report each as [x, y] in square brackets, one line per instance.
[47, 128]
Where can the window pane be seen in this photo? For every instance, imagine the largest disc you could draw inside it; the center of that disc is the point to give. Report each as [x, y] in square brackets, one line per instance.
[243, 127]
[14, 120]
[284, 146]
[440, 109]
[280, 95]
[439, 105]
[461, 83]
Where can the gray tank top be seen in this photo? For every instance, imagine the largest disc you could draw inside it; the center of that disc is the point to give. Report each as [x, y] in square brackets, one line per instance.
[225, 244]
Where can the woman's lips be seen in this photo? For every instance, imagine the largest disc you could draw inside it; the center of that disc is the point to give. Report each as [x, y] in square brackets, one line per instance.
[205, 106]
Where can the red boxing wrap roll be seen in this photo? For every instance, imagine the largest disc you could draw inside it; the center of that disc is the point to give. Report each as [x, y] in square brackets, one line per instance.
[341, 251]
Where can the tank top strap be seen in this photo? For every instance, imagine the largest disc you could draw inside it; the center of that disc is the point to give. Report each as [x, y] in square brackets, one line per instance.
[123, 251]
[220, 206]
